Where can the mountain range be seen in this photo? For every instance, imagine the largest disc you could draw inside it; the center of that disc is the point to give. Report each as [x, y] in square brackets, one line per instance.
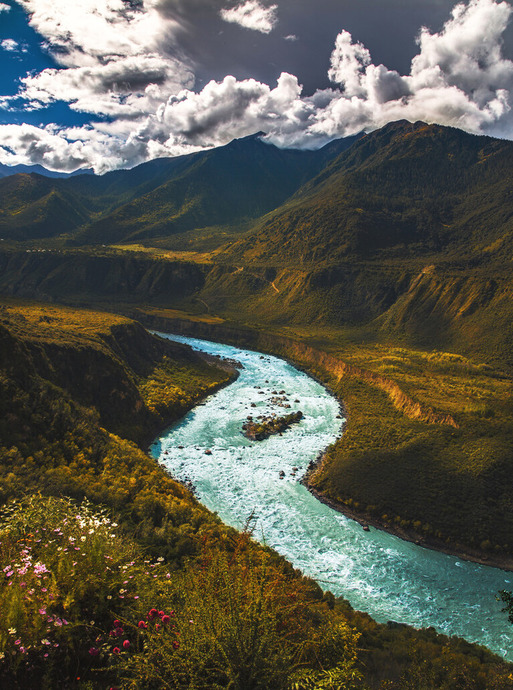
[223, 187]
[407, 230]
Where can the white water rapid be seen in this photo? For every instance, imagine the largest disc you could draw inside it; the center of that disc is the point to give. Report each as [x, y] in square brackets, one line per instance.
[376, 572]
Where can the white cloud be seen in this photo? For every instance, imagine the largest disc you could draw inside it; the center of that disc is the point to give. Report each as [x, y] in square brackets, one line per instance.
[252, 15]
[458, 78]
[128, 87]
[113, 55]
[83, 32]
[4, 7]
[9, 45]
[291, 37]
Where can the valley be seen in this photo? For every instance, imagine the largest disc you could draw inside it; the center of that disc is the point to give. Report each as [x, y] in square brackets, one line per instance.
[380, 265]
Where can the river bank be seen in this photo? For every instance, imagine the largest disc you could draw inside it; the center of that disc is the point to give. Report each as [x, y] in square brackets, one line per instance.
[389, 578]
[368, 521]
[321, 369]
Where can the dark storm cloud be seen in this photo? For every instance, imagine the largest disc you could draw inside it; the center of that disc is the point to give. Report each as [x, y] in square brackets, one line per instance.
[387, 27]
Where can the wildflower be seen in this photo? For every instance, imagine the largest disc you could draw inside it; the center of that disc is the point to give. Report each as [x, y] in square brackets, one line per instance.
[175, 644]
[12, 631]
[160, 559]
[22, 650]
[2, 655]
[126, 644]
[116, 650]
[45, 641]
[117, 624]
[151, 614]
[93, 651]
[165, 619]
[42, 612]
[142, 624]
[17, 642]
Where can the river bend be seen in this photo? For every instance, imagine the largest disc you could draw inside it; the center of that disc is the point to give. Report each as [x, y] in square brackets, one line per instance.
[376, 572]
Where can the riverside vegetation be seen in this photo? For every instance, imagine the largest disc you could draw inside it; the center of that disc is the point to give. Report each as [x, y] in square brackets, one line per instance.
[381, 264]
[113, 575]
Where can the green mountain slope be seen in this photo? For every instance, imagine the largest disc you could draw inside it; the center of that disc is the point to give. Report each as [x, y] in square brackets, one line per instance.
[407, 189]
[33, 206]
[223, 187]
[226, 186]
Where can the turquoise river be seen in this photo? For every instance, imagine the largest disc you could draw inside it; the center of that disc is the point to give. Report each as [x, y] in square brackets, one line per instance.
[387, 577]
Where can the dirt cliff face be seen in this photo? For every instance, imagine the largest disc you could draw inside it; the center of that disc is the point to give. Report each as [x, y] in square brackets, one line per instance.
[99, 367]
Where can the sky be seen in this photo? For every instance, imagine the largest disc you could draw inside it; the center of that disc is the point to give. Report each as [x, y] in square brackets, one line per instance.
[109, 84]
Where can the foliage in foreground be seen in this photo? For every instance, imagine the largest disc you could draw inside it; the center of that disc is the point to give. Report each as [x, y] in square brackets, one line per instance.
[81, 602]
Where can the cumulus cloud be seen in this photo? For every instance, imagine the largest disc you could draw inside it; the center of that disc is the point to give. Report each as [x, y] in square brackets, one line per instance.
[83, 32]
[458, 77]
[127, 87]
[112, 55]
[9, 45]
[4, 7]
[103, 148]
[252, 15]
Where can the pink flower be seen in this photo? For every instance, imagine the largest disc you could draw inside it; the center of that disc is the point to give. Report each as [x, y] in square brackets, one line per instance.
[117, 624]
[126, 644]
[93, 651]
[116, 650]
[151, 614]
[166, 619]
[142, 624]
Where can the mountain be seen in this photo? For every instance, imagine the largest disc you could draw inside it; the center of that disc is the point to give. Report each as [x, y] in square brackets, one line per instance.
[407, 189]
[223, 187]
[7, 170]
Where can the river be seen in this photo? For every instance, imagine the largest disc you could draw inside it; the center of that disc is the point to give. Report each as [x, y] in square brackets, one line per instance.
[376, 572]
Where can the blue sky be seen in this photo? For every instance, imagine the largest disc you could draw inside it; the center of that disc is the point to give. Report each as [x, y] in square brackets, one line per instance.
[111, 83]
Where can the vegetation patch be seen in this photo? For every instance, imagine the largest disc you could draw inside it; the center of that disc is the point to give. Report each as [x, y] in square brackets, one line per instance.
[260, 429]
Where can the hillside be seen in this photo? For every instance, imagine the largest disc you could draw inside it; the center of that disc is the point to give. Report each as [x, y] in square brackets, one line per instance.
[220, 189]
[102, 591]
[407, 191]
